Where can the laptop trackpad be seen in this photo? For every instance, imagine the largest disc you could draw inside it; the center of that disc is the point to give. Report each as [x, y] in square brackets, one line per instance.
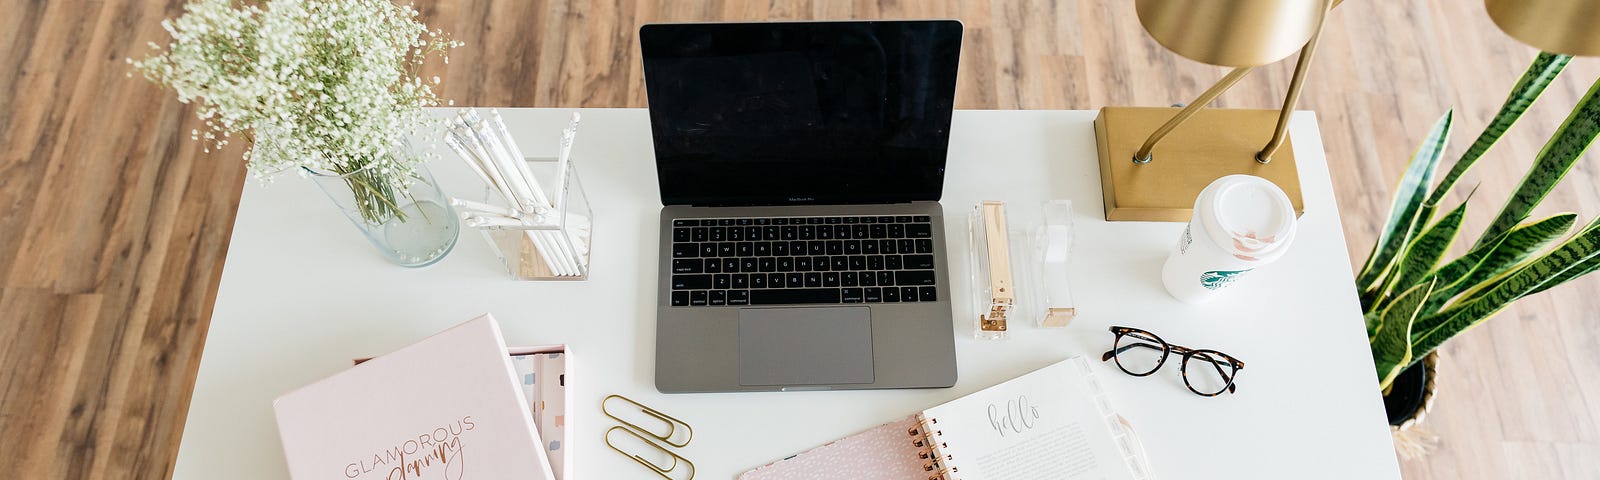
[805, 346]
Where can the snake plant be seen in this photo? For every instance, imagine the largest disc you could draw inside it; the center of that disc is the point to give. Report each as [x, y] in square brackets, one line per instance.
[1413, 296]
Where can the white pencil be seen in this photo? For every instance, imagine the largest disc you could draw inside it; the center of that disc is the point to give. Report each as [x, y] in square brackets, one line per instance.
[461, 127]
[484, 207]
[528, 190]
[487, 162]
[547, 241]
[545, 253]
[568, 255]
[567, 137]
[551, 257]
[498, 127]
[563, 169]
[563, 159]
[514, 157]
[472, 162]
[562, 241]
[485, 221]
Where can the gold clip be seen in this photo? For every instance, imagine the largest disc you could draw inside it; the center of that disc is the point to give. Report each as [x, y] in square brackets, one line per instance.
[660, 470]
[670, 421]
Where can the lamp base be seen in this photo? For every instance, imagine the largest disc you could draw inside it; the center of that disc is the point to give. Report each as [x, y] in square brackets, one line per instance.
[1214, 143]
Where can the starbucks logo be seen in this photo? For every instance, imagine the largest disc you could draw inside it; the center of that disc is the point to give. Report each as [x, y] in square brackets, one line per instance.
[1216, 279]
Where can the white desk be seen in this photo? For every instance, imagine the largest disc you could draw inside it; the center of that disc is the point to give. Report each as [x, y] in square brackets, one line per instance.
[303, 293]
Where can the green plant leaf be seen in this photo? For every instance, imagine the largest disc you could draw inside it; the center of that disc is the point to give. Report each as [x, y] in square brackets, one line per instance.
[1553, 163]
[1408, 197]
[1585, 268]
[1391, 347]
[1428, 249]
[1544, 69]
[1479, 268]
[1492, 260]
[1373, 320]
[1530, 278]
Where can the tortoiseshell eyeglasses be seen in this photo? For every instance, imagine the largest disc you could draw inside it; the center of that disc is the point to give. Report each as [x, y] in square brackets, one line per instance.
[1141, 353]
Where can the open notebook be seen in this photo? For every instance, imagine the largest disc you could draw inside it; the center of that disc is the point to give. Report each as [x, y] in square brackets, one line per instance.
[1053, 423]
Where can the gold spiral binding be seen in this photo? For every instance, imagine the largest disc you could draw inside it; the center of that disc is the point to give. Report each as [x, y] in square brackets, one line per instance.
[923, 436]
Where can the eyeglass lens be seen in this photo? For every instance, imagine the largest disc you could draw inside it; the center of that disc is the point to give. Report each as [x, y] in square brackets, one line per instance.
[1139, 353]
[1207, 373]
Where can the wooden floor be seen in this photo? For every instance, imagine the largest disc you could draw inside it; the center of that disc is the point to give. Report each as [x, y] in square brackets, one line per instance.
[114, 225]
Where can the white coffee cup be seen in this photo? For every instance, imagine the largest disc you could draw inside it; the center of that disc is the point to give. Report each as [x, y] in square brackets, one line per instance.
[1240, 223]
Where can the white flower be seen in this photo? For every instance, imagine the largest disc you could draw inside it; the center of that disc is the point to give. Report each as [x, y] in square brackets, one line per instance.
[330, 85]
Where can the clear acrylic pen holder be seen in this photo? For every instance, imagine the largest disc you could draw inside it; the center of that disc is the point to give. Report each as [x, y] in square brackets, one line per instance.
[1034, 266]
[557, 248]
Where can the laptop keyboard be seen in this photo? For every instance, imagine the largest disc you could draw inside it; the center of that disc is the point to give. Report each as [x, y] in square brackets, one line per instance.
[802, 260]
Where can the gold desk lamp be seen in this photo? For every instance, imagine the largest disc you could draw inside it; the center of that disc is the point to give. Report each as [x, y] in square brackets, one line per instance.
[1143, 183]
[1569, 27]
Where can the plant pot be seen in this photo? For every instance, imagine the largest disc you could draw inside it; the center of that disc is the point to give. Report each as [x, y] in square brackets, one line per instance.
[1411, 395]
[1409, 400]
[418, 231]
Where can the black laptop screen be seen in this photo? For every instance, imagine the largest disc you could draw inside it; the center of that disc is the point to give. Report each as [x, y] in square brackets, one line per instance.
[797, 113]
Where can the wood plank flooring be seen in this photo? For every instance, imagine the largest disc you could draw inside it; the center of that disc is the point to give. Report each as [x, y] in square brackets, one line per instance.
[114, 225]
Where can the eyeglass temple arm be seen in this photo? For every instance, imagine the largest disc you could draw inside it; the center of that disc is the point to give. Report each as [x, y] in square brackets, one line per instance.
[1232, 387]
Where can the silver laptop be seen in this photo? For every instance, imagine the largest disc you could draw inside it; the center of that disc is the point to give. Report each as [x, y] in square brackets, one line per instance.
[802, 245]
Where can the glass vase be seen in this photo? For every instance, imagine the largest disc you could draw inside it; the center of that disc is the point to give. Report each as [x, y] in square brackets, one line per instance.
[414, 228]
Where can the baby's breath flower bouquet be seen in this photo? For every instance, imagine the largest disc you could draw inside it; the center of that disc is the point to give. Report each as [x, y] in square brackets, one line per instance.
[329, 86]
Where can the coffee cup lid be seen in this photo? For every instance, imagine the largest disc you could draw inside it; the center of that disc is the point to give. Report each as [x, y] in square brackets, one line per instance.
[1248, 216]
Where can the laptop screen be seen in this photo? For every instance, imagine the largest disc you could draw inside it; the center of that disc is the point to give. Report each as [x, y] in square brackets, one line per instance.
[800, 113]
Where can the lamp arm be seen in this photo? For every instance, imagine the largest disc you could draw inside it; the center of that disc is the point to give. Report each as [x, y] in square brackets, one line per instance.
[1144, 154]
[1300, 67]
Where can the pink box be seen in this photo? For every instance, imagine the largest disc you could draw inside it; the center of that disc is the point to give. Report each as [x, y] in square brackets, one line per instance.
[453, 406]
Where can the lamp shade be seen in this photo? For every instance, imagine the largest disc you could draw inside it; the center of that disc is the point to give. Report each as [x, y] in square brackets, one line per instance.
[1557, 26]
[1233, 33]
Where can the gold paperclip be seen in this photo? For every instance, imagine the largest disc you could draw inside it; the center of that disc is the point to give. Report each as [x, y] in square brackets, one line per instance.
[671, 422]
[662, 471]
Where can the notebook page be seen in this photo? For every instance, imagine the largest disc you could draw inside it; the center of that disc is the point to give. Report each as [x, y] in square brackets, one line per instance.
[1045, 424]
